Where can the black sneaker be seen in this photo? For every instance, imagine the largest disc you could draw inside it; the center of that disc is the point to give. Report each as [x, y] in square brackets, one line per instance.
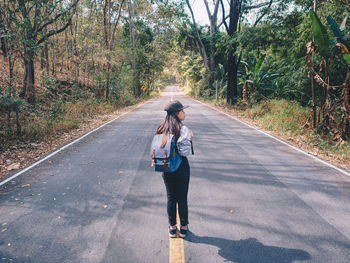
[172, 232]
[183, 231]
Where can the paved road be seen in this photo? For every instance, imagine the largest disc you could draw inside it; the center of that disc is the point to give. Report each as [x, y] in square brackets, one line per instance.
[251, 198]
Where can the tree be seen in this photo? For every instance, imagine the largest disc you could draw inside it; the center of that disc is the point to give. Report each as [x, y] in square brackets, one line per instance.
[210, 63]
[111, 11]
[330, 51]
[131, 11]
[199, 41]
[35, 21]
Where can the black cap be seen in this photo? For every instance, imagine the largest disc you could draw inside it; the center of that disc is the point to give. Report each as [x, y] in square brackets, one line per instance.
[174, 106]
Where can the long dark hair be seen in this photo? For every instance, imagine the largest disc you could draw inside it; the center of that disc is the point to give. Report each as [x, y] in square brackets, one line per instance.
[170, 125]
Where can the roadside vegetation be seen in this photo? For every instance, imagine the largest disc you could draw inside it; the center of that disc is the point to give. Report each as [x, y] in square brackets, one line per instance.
[294, 123]
[283, 66]
[67, 67]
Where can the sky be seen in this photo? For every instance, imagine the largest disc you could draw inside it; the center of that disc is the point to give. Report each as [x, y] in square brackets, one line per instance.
[200, 12]
[201, 16]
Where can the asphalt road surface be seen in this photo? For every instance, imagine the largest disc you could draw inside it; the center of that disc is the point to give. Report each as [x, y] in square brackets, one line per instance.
[251, 198]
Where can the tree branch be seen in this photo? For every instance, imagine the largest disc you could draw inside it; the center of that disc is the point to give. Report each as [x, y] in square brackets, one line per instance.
[53, 20]
[224, 20]
[208, 10]
[198, 38]
[54, 32]
[216, 9]
[115, 25]
[105, 22]
[263, 14]
[256, 6]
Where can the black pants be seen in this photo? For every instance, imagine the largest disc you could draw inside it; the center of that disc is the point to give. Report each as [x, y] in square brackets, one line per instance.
[176, 184]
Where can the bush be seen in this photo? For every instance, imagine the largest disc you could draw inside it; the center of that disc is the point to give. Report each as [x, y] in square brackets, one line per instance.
[280, 115]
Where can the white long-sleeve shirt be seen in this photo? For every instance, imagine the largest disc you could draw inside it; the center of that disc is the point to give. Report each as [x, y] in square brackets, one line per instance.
[184, 142]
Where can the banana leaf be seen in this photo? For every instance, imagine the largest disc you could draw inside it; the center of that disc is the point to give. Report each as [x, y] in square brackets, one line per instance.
[345, 52]
[335, 28]
[258, 65]
[343, 24]
[320, 35]
[347, 58]
[222, 71]
[337, 31]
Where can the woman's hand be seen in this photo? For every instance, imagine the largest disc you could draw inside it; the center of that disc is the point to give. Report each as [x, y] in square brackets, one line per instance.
[191, 133]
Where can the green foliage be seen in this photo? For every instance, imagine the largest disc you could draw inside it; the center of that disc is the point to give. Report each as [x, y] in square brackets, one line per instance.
[280, 115]
[11, 104]
[320, 35]
[338, 33]
[335, 28]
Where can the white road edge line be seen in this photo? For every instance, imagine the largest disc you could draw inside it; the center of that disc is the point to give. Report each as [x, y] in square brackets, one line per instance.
[285, 143]
[66, 146]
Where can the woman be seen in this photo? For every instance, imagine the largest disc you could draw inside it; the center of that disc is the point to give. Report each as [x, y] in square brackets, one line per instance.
[176, 183]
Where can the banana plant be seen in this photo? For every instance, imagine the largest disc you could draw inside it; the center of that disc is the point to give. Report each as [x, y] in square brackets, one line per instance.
[323, 42]
[252, 77]
[320, 35]
[339, 33]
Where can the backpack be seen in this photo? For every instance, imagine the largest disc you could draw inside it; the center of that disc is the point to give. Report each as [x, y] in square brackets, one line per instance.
[167, 158]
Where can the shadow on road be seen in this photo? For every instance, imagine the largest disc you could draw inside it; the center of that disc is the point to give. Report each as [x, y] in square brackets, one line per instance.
[250, 250]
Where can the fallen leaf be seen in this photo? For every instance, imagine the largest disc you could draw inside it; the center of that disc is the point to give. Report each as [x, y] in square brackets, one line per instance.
[230, 211]
[104, 206]
[16, 199]
[86, 163]
[25, 185]
[13, 166]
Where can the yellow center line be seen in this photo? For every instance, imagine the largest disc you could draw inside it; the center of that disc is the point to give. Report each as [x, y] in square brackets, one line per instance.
[176, 246]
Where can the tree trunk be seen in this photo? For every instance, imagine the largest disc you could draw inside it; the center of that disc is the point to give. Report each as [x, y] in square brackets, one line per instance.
[213, 30]
[314, 121]
[232, 57]
[44, 61]
[11, 86]
[53, 62]
[107, 79]
[346, 106]
[28, 89]
[232, 79]
[199, 42]
[133, 58]
[2, 39]
[3, 47]
[246, 93]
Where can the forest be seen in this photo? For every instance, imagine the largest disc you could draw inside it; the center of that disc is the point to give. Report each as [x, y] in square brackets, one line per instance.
[284, 63]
